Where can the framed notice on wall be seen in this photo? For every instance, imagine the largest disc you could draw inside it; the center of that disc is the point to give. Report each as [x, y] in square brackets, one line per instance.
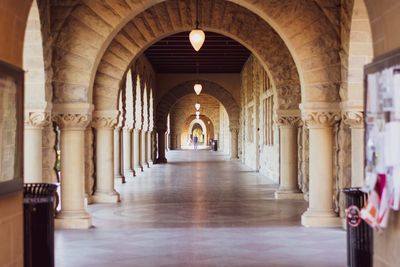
[382, 138]
[11, 128]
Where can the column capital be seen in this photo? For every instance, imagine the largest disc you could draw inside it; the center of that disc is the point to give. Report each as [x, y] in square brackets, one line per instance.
[320, 115]
[72, 115]
[288, 118]
[353, 118]
[105, 119]
[37, 119]
[234, 130]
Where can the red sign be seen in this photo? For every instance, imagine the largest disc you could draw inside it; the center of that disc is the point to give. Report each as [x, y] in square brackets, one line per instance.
[353, 217]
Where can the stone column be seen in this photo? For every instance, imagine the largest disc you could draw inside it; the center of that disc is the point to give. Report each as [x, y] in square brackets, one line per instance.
[161, 147]
[146, 148]
[142, 149]
[72, 120]
[136, 151]
[33, 158]
[355, 119]
[117, 155]
[234, 143]
[104, 123]
[149, 147]
[127, 146]
[288, 129]
[320, 122]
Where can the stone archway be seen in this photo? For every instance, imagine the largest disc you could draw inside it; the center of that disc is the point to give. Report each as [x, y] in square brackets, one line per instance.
[301, 25]
[209, 88]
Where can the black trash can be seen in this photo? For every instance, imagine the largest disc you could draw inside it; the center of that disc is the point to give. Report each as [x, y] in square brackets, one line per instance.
[359, 233]
[39, 213]
[215, 145]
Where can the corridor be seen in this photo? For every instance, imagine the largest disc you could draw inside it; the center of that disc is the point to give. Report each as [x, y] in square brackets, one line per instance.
[200, 209]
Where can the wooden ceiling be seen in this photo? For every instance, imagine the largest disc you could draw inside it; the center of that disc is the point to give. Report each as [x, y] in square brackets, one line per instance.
[219, 54]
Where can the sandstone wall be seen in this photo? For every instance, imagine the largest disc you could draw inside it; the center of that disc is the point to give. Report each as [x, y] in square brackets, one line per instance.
[259, 152]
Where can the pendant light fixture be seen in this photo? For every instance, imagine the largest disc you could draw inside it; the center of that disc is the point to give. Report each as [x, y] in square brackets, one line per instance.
[197, 113]
[197, 35]
[197, 87]
[197, 116]
[197, 106]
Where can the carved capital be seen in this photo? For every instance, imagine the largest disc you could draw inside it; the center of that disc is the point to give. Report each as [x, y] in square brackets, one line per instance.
[234, 130]
[354, 119]
[288, 121]
[320, 119]
[72, 120]
[320, 114]
[105, 119]
[72, 116]
[37, 119]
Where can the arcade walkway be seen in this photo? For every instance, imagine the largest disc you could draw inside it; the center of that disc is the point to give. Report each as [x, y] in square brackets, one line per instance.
[199, 210]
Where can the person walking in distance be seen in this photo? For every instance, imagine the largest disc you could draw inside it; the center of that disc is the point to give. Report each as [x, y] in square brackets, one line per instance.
[195, 140]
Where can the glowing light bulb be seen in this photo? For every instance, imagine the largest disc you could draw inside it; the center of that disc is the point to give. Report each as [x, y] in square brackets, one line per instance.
[197, 106]
[197, 38]
[197, 113]
[197, 88]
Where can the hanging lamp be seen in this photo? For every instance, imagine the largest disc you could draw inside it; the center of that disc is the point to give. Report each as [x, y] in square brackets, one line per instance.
[197, 87]
[197, 35]
[197, 106]
[197, 116]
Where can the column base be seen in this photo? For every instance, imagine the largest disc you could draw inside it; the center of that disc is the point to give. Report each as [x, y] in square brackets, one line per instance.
[73, 220]
[320, 219]
[88, 200]
[106, 197]
[120, 177]
[161, 161]
[129, 174]
[288, 194]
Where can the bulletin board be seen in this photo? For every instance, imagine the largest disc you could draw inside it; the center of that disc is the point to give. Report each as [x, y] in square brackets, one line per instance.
[382, 138]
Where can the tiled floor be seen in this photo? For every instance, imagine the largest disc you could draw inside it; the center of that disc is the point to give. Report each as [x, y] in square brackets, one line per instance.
[199, 210]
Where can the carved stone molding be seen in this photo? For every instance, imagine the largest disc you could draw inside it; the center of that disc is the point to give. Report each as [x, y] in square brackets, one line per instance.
[288, 121]
[234, 130]
[37, 119]
[72, 120]
[354, 119]
[105, 119]
[320, 119]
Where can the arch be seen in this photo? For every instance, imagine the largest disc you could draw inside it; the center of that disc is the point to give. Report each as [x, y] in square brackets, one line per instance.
[360, 52]
[209, 125]
[210, 88]
[309, 34]
[36, 97]
[176, 16]
[199, 122]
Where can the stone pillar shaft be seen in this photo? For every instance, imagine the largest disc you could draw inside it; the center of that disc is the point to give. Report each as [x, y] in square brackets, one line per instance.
[104, 123]
[149, 147]
[355, 119]
[320, 212]
[142, 149]
[117, 155]
[288, 122]
[126, 135]
[135, 151]
[33, 157]
[161, 147]
[234, 143]
[72, 120]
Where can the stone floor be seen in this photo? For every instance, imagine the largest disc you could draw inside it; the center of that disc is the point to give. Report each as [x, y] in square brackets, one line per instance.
[199, 210]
